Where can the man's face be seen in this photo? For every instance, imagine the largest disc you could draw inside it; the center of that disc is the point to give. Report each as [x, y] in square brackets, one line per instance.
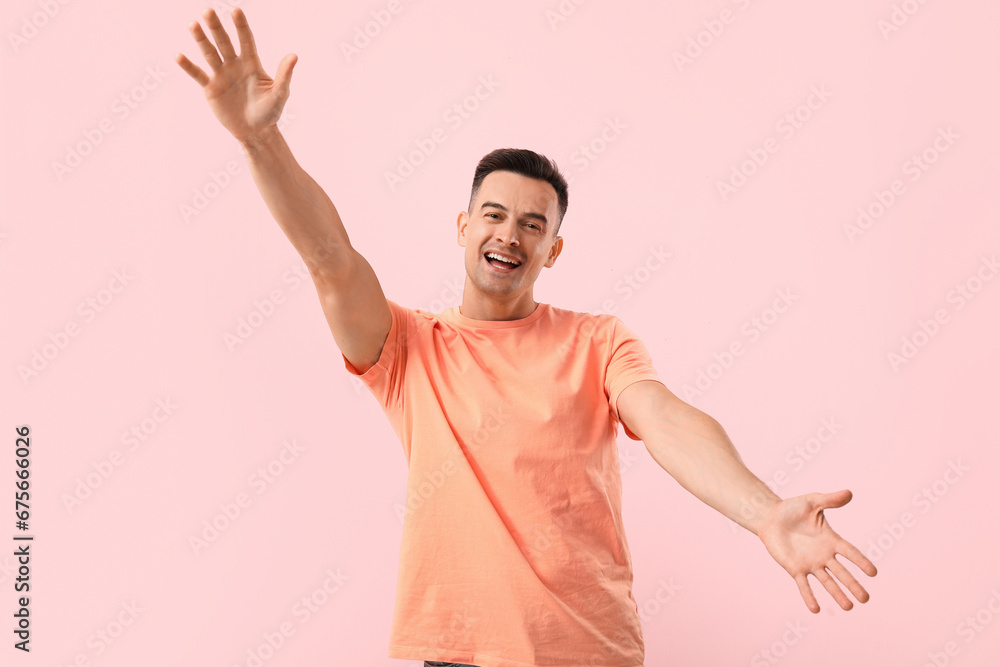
[515, 216]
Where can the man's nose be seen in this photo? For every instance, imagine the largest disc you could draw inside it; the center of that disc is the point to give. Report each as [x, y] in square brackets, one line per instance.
[507, 233]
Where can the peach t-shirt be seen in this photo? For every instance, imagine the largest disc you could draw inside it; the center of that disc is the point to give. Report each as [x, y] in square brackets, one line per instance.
[513, 551]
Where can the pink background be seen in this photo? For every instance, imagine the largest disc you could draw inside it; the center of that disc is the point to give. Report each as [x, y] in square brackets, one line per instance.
[709, 592]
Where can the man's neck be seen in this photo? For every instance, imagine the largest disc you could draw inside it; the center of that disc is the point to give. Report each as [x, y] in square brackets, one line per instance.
[488, 308]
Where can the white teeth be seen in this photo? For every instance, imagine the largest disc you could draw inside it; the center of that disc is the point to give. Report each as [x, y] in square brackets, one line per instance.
[502, 259]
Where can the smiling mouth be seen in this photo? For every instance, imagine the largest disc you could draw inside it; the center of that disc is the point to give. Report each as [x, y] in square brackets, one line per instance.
[500, 265]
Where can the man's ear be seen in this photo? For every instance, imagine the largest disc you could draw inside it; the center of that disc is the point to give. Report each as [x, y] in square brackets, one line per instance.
[463, 222]
[554, 251]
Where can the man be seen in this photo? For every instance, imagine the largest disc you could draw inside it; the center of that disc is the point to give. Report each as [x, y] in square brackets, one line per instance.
[513, 550]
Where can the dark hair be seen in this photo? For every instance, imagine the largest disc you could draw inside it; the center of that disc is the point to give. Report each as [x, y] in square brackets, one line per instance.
[526, 163]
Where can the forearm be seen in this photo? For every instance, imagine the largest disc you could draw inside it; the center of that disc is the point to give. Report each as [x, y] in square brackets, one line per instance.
[299, 205]
[694, 448]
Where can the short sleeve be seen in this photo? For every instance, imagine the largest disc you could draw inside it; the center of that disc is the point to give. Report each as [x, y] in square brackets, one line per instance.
[629, 362]
[385, 379]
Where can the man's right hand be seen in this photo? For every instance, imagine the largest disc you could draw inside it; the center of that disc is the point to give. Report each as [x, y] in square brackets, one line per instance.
[240, 93]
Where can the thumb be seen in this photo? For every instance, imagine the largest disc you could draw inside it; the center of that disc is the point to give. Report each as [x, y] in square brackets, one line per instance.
[835, 499]
[283, 77]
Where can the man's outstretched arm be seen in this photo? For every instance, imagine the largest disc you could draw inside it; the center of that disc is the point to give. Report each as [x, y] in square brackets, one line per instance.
[249, 103]
[695, 450]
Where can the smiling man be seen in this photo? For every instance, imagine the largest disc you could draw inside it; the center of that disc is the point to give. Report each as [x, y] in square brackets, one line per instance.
[513, 552]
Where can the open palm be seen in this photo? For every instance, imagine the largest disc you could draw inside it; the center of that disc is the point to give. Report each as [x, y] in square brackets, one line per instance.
[240, 93]
[799, 538]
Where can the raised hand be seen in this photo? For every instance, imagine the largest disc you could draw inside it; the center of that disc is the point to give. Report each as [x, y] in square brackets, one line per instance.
[240, 93]
[799, 538]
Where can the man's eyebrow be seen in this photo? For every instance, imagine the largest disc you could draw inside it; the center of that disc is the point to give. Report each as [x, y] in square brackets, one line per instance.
[534, 216]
